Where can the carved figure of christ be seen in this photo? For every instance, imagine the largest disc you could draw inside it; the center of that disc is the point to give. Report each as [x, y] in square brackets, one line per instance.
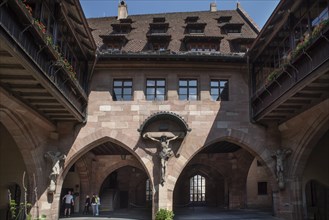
[166, 152]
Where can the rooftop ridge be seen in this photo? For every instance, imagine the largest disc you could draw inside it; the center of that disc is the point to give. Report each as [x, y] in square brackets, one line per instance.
[247, 18]
[166, 13]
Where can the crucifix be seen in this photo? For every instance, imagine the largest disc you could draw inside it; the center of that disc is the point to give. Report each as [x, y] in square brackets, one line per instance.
[166, 152]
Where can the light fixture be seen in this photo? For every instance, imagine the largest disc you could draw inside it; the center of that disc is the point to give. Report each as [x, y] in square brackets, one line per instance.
[123, 156]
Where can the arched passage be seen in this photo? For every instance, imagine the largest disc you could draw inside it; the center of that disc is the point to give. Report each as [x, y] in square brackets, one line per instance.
[17, 147]
[225, 164]
[95, 161]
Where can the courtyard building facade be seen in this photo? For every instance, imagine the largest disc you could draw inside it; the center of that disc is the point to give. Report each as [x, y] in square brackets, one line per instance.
[165, 111]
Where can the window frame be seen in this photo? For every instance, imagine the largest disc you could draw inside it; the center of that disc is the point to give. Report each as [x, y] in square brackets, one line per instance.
[262, 188]
[148, 190]
[188, 88]
[219, 87]
[122, 87]
[197, 192]
[155, 87]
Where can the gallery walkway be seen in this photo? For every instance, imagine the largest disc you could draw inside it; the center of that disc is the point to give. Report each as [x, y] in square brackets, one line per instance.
[198, 213]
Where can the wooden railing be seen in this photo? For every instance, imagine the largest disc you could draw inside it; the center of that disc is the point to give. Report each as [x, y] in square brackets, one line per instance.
[292, 73]
[43, 57]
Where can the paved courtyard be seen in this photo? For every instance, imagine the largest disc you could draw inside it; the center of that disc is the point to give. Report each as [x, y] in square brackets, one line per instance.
[198, 213]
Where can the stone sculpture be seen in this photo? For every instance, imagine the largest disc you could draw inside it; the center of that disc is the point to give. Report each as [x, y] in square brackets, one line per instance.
[280, 156]
[166, 152]
[55, 158]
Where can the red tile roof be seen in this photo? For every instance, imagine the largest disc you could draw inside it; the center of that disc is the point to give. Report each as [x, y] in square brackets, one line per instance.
[137, 38]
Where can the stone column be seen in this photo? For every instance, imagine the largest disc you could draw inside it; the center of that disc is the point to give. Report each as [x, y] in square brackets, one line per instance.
[296, 194]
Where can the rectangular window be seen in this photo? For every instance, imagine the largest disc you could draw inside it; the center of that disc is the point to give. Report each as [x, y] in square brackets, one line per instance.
[262, 188]
[188, 89]
[156, 89]
[122, 90]
[219, 90]
[148, 190]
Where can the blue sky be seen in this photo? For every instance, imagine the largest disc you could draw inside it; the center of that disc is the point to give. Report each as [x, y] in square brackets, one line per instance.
[259, 10]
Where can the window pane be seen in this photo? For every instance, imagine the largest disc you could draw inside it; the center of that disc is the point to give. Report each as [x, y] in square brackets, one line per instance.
[117, 83]
[150, 91]
[214, 83]
[161, 91]
[150, 83]
[150, 97]
[214, 91]
[182, 91]
[127, 91]
[193, 83]
[182, 82]
[117, 91]
[128, 83]
[182, 97]
[160, 97]
[193, 97]
[214, 97]
[193, 91]
[127, 97]
[160, 83]
[223, 83]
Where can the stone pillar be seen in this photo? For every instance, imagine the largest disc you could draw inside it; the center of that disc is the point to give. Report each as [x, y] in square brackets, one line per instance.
[296, 194]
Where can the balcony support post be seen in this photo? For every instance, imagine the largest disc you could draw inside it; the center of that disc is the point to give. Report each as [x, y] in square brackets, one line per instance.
[285, 71]
[293, 67]
[25, 29]
[309, 57]
[41, 48]
[268, 91]
[324, 37]
[277, 82]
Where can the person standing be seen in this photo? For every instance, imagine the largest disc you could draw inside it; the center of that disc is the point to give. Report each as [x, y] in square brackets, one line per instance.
[87, 205]
[68, 202]
[98, 203]
[93, 204]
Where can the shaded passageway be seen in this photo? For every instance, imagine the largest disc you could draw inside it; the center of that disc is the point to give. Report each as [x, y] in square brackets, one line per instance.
[196, 213]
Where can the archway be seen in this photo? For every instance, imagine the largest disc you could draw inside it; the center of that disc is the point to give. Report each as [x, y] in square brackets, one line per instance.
[11, 172]
[225, 167]
[316, 180]
[104, 169]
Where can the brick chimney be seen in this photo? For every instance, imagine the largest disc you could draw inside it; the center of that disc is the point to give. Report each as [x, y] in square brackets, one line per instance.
[213, 7]
[122, 10]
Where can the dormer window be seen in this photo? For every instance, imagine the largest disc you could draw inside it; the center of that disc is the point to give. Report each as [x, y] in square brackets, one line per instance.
[231, 28]
[114, 42]
[126, 21]
[224, 19]
[158, 28]
[195, 43]
[121, 28]
[159, 20]
[240, 44]
[195, 28]
[192, 19]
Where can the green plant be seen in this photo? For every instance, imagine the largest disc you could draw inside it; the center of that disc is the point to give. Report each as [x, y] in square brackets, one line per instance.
[273, 75]
[40, 26]
[164, 214]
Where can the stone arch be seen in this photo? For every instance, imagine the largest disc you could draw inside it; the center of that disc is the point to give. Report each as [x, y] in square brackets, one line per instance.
[116, 166]
[83, 145]
[23, 139]
[239, 138]
[306, 145]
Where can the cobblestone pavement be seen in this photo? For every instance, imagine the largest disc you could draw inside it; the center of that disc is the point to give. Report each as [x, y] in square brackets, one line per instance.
[197, 213]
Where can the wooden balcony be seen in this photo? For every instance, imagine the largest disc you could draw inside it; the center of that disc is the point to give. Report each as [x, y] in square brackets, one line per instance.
[300, 84]
[29, 70]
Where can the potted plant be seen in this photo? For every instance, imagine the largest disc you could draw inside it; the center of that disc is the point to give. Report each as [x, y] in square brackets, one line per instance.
[164, 214]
